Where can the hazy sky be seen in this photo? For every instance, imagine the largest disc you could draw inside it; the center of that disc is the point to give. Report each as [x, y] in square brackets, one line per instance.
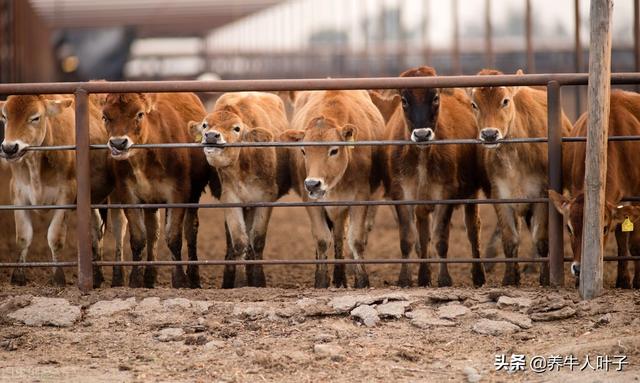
[289, 25]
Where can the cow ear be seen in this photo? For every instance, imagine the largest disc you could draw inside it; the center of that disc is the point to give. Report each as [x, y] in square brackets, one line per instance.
[621, 212]
[348, 132]
[258, 135]
[195, 127]
[2, 104]
[55, 107]
[515, 89]
[291, 135]
[148, 102]
[561, 202]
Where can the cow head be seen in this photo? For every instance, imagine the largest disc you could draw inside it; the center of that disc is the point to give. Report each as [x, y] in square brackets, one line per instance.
[573, 210]
[494, 110]
[125, 118]
[325, 166]
[25, 122]
[226, 127]
[421, 107]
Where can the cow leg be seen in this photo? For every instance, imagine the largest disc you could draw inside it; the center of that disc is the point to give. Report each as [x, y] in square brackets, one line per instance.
[137, 241]
[510, 241]
[442, 222]
[472, 224]
[97, 239]
[118, 225]
[339, 270]
[174, 219]
[229, 274]
[56, 236]
[24, 235]
[258, 238]
[540, 233]
[357, 242]
[191, 224]
[634, 248]
[152, 225]
[235, 221]
[530, 268]
[323, 238]
[623, 279]
[423, 224]
[492, 248]
[407, 231]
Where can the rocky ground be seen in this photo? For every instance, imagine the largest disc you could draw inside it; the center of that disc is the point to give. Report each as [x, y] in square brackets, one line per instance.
[249, 335]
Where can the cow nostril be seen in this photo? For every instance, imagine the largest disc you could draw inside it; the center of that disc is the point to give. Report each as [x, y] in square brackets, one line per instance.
[212, 137]
[576, 269]
[119, 143]
[312, 184]
[10, 148]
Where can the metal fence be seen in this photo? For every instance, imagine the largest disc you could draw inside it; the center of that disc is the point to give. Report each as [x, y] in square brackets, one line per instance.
[83, 206]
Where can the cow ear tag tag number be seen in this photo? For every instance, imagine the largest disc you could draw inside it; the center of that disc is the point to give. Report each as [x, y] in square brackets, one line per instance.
[627, 225]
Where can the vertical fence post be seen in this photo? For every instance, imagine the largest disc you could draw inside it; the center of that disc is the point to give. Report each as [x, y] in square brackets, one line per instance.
[488, 35]
[554, 147]
[83, 199]
[531, 59]
[578, 55]
[636, 37]
[596, 156]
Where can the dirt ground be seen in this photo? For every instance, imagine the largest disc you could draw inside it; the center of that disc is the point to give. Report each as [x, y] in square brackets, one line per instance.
[123, 347]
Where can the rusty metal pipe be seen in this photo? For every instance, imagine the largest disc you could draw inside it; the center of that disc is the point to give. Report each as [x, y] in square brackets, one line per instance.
[554, 149]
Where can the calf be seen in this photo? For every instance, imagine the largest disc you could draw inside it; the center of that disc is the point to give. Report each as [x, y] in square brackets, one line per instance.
[433, 172]
[518, 170]
[158, 175]
[337, 172]
[247, 174]
[48, 177]
[623, 180]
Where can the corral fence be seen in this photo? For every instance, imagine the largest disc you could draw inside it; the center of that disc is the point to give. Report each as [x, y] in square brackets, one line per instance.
[83, 206]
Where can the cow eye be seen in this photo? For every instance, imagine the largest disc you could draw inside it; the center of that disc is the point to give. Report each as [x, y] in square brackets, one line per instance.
[605, 230]
[236, 129]
[333, 152]
[436, 100]
[569, 230]
[204, 125]
[505, 102]
[405, 103]
[303, 152]
[35, 119]
[474, 106]
[140, 115]
[105, 118]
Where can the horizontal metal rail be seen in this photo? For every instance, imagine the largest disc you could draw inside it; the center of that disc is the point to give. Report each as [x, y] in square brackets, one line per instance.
[310, 84]
[276, 144]
[273, 262]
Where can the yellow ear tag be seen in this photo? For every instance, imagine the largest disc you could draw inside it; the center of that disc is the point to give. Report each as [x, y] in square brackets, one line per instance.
[351, 140]
[199, 137]
[627, 225]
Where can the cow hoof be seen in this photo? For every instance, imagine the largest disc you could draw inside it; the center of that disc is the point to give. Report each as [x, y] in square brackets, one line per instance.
[258, 277]
[135, 278]
[511, 279]
[229, 277]
[179, 279]
[424, 275]
[193, 274]
[477, 275]
[444, 280]
[18, 277]
[58, 277]
[98, 277]
[150, 277]
[117, 279]
[339, 276]
[362, 281]
[322, 280]
[544, 278]
[404, 279]
[624, 282]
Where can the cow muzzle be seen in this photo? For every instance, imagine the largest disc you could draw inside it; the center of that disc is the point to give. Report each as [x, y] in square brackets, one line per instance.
[422, 135]
[213, 138]
[119, 147]
[12, 150]
[315, 187]
[575, 269]
[490, 137]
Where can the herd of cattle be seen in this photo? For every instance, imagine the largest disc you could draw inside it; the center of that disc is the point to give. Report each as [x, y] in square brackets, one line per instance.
[421, 171]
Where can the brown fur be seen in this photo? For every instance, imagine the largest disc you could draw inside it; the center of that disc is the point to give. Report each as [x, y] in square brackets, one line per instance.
[159, 175]
[348, 174]
[48, 177]
[434, 172]
[247, 174]
[623, 179]
[517, 170]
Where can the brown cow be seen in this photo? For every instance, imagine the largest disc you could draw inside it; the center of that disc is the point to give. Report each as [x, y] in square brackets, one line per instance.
[433, 172]
[247, 174]
[40, 177]
[623, 180]
[158, 175]
[336, 173]
[517, 170]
